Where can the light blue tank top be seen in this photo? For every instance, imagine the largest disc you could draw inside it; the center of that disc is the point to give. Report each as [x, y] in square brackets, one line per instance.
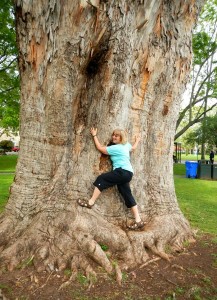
[120, 156]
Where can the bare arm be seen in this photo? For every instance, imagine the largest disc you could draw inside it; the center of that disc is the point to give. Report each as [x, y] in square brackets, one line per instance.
[136, 143]
[101, 148]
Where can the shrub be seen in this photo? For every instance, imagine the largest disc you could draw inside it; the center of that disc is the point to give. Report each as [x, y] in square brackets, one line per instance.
[6, 145]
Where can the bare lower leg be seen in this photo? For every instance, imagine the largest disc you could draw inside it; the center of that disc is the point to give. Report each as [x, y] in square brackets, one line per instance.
[135, 213]
[95, 195]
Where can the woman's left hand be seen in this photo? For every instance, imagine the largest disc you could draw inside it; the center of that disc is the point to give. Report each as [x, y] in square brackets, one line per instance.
[93, 131]
[138, 138]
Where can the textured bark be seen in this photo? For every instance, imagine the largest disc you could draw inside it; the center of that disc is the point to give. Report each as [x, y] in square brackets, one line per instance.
[107, 64]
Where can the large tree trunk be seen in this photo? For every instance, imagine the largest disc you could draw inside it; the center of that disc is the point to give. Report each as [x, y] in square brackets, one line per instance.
[107, 64]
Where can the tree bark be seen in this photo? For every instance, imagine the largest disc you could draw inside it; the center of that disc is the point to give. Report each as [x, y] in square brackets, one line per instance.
[106, 64]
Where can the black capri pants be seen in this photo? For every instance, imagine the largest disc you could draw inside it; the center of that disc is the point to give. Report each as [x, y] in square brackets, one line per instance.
[121, 178]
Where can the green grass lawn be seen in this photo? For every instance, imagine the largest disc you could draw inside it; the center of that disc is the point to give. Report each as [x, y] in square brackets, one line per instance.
[197, 198]
[8, 163]
[5, 182]
[198, 201]
[179, 169]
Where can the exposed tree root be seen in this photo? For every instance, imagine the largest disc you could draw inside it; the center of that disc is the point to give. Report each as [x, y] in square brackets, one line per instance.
[6, 227]
[149, 262]
[77, 244]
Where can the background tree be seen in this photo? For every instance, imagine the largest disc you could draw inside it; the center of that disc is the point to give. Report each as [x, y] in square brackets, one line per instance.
[203, 83]
[105, 64]
[209, 134]
[211, 131]
[9, 77]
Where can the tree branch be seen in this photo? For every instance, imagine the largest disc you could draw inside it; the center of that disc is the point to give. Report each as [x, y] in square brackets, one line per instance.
[196, 120]
[194, 98]
[8, 90]
[8, 66]
[198, 72]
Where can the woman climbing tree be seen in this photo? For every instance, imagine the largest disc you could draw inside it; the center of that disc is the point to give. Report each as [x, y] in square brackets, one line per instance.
[122, 173]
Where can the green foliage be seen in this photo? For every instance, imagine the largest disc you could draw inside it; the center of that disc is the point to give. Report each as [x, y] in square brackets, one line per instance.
[209, 11]
[6, 145]
[204, 38]
[7, 33]
[67, 272]
[207, 280]
[203, 46]
[82, 279]
[124, 276]
[206, 130]
[210, 125]
[104, 247]
[9, 76]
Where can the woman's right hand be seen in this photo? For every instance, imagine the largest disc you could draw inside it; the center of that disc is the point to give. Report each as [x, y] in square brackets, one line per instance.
[101, 148]
[93, 131]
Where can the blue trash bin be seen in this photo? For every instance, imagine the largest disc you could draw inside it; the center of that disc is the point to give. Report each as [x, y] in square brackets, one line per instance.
[191, 169]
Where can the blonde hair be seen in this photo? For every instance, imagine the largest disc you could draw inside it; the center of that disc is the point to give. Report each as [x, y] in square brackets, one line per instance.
[123, 135]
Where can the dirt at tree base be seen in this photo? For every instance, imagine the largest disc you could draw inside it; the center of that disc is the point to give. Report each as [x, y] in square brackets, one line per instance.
[191, 274]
